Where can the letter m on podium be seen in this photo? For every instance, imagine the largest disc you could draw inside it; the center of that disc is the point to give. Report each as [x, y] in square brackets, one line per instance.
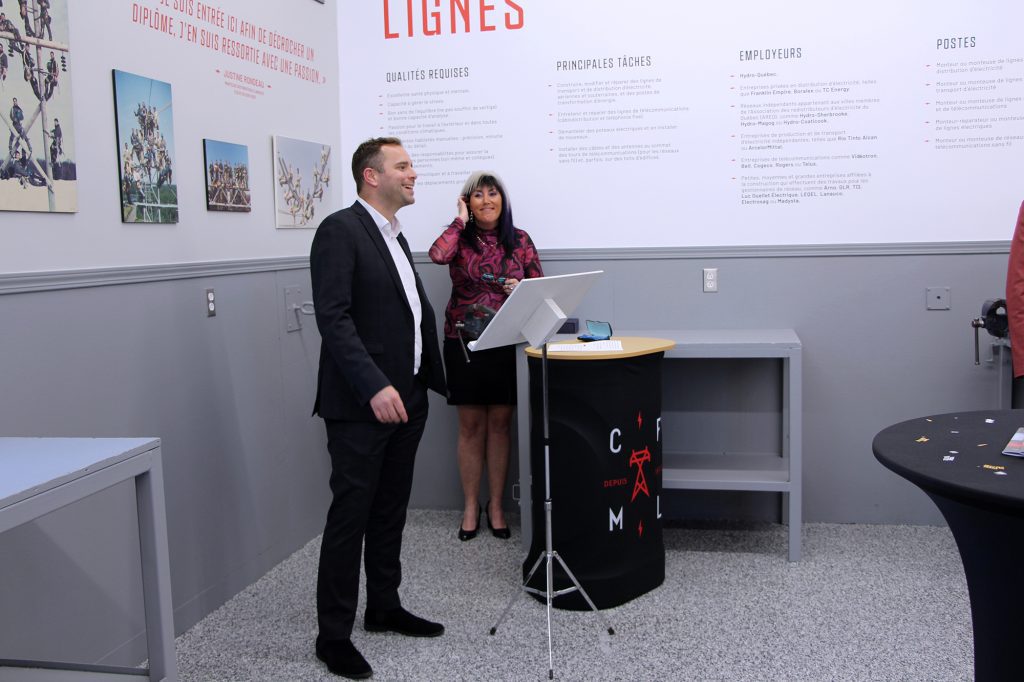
[614, 519]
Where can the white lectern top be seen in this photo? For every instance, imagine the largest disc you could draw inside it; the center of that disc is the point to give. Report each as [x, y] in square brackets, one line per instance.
[535, 310]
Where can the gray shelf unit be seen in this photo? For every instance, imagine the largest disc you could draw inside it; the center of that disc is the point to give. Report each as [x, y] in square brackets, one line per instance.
[761, 472]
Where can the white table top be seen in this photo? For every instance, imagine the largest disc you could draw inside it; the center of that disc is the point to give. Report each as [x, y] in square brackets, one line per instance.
[29, 466]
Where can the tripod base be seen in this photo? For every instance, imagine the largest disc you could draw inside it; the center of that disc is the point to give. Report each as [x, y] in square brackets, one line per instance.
[607, 587]
[548, 558]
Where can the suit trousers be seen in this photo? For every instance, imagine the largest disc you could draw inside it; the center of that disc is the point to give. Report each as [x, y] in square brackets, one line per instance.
[371, 480]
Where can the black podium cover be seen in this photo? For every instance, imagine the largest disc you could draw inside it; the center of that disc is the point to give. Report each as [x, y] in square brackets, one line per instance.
[605, 459]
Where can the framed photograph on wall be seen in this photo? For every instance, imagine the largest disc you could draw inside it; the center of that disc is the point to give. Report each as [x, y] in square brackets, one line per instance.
[144, 120]
[302, 182]
[227, 176]
[38, 170]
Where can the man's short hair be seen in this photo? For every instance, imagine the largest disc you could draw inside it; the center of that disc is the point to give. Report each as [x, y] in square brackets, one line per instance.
[368, 155]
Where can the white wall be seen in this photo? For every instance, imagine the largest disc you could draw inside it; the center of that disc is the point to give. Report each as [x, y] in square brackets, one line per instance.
[118, 34]
[680, 124]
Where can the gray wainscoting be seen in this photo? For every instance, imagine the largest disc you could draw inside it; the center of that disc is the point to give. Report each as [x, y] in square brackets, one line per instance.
[131, 352]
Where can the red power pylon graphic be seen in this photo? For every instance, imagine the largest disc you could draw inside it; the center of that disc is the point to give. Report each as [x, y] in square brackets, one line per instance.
[638, 458]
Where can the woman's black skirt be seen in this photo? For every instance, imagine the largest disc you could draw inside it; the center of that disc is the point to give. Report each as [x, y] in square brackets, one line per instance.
[488, 379]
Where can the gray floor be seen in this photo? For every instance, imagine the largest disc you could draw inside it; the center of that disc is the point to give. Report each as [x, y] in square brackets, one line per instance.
[865, 603]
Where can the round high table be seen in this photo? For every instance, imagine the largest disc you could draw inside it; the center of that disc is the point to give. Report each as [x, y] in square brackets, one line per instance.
[957, 460]
[605, 466]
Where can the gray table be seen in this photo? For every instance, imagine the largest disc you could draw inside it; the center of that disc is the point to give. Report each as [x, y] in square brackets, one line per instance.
[40, 475]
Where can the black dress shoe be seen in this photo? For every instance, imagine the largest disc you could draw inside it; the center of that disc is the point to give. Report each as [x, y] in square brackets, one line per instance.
[470, 534]
[401, 621]
[503, 533]
[342, 658]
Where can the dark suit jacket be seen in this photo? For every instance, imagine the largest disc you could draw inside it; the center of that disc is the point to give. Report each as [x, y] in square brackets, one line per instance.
[365, 322]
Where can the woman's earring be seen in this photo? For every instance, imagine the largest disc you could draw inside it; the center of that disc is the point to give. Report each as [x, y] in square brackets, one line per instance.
[471, 216]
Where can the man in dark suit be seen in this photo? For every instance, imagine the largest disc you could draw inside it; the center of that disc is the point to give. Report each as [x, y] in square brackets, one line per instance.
[379, 355]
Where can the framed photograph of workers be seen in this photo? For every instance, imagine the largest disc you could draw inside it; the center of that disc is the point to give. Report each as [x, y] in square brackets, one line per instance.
[302, 182]
[145, 149]
[37, 170]
[227, 176]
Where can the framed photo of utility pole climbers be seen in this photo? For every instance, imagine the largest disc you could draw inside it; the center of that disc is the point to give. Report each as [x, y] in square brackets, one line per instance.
[38, 171]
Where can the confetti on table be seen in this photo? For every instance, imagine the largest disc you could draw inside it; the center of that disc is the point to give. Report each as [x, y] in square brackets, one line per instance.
[990, 421]
[948, 458]
[922, 439]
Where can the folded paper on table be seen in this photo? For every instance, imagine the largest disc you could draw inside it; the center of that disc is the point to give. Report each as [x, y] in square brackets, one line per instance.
[592, 346]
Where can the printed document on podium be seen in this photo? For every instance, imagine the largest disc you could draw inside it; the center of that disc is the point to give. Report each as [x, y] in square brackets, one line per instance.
[593, 346]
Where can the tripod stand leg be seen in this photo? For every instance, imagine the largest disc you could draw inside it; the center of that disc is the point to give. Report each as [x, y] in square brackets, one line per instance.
[611, 630]
[519, 590]
[550, 592]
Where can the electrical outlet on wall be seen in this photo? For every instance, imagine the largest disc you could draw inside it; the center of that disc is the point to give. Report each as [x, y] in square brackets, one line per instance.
[710, 280]
[937, 298]
[211, 303]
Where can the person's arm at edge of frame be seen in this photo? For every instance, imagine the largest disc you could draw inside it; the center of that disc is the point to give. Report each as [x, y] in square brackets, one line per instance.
[1015, 295]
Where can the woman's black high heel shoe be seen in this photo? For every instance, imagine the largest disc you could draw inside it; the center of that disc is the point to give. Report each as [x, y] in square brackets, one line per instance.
[465, 535]
[503, 533]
